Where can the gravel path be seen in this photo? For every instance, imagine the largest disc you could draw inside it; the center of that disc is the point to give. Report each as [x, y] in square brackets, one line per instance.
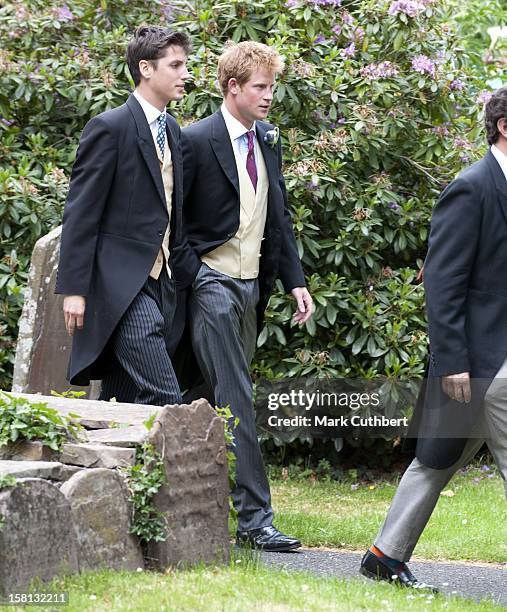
[473, 580]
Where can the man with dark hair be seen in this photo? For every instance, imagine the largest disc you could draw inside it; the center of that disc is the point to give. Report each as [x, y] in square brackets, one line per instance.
[122, 245]
[465, 398]
[240, 229]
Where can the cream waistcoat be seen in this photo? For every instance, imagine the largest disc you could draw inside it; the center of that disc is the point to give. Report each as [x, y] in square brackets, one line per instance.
[166, 168]
[239, 256]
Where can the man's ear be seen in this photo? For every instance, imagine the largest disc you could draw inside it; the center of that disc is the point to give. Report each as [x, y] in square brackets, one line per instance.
[233, 86]
[145, 68]
[501, 125]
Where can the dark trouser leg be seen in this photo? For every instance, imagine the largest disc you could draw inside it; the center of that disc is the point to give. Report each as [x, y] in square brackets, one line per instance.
[223, 325]
[140, 342]
[117, 384]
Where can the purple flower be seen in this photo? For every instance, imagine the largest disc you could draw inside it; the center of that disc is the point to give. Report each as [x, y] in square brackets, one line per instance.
[342, 120]
[336, 29]
[441, 130]
[423, 64]
[320, 39]
[7, 122]
[348, 51]
[484, 97]
[408, 7]
[347, 18]
[485, 468]
[379, 71]
[457, 85]
[64, 13]
[290, 3]
[357, 34]
[393, 206]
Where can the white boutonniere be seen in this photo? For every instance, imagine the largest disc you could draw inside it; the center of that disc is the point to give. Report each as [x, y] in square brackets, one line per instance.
[271, 137]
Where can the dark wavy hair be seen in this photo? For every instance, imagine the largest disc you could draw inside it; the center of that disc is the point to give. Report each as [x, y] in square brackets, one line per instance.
[149, 43]
[496, 109]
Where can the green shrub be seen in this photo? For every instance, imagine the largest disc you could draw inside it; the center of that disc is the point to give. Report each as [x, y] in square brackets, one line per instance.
[22, 420]
[377, 109]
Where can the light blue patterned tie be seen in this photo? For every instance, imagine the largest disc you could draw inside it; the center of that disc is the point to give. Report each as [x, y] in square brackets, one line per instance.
[161, 133]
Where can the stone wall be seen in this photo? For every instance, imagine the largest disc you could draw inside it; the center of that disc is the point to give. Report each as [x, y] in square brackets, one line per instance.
[70, 511]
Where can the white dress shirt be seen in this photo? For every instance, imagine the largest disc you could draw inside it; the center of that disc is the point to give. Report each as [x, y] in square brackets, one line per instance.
[501, 158]
[152, 114]
[237, 132]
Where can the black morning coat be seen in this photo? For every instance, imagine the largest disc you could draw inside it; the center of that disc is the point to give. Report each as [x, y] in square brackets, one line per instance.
[114, 221]
[465, 279]
[212, 207]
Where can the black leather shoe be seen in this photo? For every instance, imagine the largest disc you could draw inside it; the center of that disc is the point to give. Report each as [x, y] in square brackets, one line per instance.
[267, 538]
[377, 569]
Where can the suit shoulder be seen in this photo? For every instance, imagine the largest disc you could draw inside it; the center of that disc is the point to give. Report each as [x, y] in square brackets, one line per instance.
[475, 174]
[198, 128]
[113, 119]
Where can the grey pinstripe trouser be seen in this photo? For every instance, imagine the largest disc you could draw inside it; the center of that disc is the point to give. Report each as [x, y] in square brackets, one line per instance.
[223, 323]
[143, 372]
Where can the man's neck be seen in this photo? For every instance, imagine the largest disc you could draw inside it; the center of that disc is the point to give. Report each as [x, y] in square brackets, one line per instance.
[234, 112]
[150, 97]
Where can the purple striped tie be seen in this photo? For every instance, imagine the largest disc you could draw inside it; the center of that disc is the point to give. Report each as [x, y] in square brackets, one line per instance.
[251, 167]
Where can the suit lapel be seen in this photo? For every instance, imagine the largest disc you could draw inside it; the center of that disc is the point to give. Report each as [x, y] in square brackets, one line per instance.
[146, 145]
[270, 156]
[221, 143]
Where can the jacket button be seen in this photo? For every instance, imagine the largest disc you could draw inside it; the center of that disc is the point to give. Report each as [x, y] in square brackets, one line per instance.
[160, 233]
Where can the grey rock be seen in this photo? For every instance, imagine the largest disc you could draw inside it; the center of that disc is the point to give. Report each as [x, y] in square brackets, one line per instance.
[43, 345]
[97, 455]
[195, 500]
[101, 513]
[37, 538]
[48, 470]
[94, 413]
[119, 436]
[27, 450]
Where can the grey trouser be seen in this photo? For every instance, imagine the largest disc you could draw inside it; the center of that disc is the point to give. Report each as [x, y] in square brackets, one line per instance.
[142, 371]
[223, 324]
[420, 486]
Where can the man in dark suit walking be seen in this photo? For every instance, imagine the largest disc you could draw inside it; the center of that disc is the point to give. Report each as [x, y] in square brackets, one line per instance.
[465, 402]
[122, 242]
[240, 229]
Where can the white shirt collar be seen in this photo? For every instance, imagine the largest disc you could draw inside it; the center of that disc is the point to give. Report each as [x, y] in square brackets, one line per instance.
[501, 158]
[152, 113]
[235, 128]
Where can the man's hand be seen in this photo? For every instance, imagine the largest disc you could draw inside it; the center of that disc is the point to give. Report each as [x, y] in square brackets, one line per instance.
[304, 305]
[73, 311]
[457, 386]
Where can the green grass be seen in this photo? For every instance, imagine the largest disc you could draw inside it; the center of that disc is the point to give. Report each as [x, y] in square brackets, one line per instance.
[471, 525]
[243, 587]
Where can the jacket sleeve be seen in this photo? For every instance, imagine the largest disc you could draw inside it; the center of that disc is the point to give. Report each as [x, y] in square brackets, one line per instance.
[92, 176]
[290, 269]
[184, 260]
[455, 230]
